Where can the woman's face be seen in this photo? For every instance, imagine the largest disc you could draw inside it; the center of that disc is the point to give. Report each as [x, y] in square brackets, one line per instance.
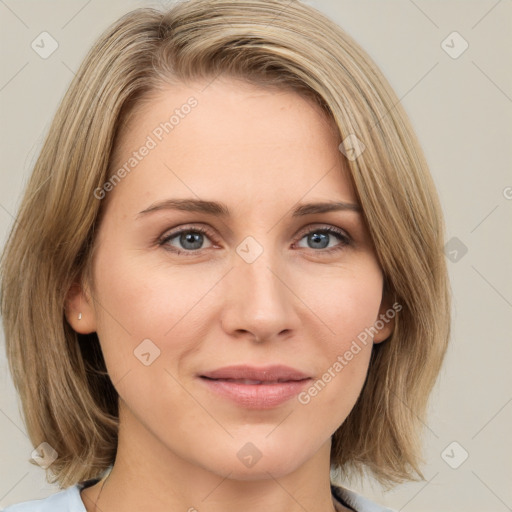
[263, 283]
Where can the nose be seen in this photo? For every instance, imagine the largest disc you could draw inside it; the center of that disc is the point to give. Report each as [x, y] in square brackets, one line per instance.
[259, 301]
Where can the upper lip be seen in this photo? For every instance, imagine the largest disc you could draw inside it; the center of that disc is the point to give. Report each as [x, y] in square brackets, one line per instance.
[265, 373]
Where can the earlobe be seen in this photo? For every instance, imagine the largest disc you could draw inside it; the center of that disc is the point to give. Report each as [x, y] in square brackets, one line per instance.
[385, 321]
[79, 311]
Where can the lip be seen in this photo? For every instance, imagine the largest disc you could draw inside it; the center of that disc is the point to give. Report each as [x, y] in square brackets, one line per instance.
[279, 384]
[264, 373]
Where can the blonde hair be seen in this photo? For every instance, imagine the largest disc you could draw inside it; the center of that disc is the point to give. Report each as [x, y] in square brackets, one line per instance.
[67, 397]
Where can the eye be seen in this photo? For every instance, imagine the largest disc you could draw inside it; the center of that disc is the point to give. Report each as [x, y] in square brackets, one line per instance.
[190, 239]
[320, 238]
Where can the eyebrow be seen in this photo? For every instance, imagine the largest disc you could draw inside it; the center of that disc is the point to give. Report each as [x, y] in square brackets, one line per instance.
[221, 210]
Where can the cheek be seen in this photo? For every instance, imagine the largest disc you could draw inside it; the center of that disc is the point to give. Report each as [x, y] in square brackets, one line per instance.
[347, 308]
[137, 302]
[345, 300]
[354, 311]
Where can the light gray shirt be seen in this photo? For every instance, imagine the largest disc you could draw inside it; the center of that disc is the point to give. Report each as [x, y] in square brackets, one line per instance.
[69, 500]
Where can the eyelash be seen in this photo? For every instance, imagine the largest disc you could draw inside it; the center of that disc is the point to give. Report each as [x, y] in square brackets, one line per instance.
[342, 236]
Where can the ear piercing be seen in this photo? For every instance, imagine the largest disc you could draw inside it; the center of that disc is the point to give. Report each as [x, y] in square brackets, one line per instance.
[80, 316]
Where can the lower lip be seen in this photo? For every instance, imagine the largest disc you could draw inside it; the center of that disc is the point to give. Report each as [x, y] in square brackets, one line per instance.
[257, 396]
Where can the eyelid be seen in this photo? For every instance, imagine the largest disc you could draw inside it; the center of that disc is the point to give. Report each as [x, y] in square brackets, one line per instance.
[324, 227]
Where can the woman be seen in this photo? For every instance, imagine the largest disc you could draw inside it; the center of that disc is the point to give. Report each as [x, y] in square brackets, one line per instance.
[229, 264]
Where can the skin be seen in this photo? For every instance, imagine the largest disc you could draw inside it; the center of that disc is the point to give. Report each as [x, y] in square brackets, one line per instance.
[260, 152]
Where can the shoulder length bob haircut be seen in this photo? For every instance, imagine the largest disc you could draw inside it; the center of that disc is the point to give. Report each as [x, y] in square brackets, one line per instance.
[67, 397]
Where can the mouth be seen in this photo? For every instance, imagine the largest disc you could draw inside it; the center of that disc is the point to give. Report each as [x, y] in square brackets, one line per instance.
[265, 374]
[255, 388]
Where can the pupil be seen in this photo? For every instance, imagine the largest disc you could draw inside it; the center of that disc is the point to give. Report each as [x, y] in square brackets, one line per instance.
[192, 238]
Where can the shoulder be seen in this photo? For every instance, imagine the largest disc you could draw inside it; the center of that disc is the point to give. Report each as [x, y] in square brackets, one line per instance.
[355, 501]
[68, 500]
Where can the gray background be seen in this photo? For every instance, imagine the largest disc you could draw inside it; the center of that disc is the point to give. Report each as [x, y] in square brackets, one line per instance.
[461, 109]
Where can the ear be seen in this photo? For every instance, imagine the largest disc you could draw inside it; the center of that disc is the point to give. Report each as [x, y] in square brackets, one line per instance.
[79, 310]
[385, 321]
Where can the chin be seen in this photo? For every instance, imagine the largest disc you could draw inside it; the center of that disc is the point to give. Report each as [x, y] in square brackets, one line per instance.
[255, 461]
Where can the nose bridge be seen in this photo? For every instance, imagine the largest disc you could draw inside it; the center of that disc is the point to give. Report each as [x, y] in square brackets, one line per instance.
[262, 280]
[259, 301]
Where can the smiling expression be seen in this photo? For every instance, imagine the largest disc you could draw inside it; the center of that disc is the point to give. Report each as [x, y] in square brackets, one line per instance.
[211, 253]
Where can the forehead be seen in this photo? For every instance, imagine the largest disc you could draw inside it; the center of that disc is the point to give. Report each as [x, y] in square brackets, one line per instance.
[233, 141]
